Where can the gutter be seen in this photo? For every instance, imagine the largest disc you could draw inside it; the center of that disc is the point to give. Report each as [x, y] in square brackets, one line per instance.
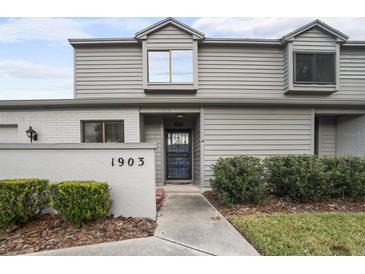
[354, 43]
[244, 41]
[117, 102]
[206, 41]
[102, 41]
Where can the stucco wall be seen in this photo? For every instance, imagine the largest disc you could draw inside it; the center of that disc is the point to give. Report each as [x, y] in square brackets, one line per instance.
[132, 188]
[64, 126]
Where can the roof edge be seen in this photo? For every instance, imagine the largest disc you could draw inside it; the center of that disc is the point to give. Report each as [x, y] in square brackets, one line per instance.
[89, 41]
[316, 23]
[241, 41]
[117, 102]
[166, 21]
[354, 43]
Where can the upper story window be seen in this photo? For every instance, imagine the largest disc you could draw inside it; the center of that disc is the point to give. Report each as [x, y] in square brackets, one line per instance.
[314, 68]
[170, 66]
[103, 131]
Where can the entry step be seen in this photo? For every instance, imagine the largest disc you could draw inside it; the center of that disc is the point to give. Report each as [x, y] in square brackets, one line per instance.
[181, 189]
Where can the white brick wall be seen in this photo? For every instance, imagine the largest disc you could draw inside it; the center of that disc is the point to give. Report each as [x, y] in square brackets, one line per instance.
[350, 135]
[64, 126]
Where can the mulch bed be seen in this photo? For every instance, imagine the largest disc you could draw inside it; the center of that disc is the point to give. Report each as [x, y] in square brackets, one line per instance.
[52, 232]
[276, 205]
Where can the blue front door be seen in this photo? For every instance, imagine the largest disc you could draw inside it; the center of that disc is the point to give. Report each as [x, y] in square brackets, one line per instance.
[178, 155]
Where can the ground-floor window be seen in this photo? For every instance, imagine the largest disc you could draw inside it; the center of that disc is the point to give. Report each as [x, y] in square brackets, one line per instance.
[111, 131]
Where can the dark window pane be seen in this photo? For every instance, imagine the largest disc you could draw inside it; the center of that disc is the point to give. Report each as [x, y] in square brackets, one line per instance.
[182, 66]
[93, 132]
[158, 66]
[114, 132]
[304, 68]
[325, 64]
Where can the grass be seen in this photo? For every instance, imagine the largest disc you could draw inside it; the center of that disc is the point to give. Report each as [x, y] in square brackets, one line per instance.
[304, 233]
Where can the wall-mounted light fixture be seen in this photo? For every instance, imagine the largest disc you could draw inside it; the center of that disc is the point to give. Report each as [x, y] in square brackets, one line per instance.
[180, 115]
[32, 134]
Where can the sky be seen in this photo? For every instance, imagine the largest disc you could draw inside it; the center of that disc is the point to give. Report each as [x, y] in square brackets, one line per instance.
[36, 60]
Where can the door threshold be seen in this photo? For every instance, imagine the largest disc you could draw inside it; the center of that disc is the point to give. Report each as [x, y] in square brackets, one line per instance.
[178, 182]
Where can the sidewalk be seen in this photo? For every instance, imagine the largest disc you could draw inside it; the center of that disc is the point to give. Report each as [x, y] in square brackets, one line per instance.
[188, 225]
[190, 220]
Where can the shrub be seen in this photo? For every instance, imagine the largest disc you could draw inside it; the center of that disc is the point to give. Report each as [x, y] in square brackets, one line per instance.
[346, 176]
[80, 201]
[298, 178]
[21, 200]
[239, 180]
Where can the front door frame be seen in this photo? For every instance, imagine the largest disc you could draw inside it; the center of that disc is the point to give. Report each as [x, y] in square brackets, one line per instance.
[189, 131]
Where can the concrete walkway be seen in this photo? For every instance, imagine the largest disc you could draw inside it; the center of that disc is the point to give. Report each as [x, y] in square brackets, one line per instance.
[190, 220]
[188, 225]
[151, 246]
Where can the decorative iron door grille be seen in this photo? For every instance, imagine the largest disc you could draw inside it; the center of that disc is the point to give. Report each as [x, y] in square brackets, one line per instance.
[178, 155]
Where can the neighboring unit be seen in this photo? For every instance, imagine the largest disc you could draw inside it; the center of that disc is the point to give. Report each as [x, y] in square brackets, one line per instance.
[201, 98]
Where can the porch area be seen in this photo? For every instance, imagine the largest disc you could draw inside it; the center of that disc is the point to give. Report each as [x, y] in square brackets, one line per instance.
[177, 135]
[339, 135]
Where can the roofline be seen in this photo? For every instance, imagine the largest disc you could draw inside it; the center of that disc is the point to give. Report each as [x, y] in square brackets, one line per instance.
[118, 41]
[244, 41]
[165, 21]
[354, 43]
[223, 41]
[92, 41]
[312, 24]
[248, 41]
[118, 102]
[273, 42]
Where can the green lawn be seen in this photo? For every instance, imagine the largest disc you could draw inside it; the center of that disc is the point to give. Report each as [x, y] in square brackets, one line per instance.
[304, 233]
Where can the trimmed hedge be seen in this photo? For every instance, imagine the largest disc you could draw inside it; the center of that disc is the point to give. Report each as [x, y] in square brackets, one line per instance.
[21, 200]
[80, 201]
[346, 176]
[309, 178]
[299, 178]
[239, 180]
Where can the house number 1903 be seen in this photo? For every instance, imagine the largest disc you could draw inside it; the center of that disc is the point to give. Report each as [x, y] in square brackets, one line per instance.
[128, 162]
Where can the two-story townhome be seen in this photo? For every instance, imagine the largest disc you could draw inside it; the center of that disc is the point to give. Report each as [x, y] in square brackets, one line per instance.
[203, 98]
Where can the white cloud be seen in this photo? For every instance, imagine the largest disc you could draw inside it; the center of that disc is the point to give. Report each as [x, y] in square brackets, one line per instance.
[49, 29]
[25, 69]
[43, 92]
[126, 24]
[273, 27]
[60, 29]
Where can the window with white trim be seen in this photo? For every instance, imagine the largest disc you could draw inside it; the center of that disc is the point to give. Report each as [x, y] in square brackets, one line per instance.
[170, 66]
[314, 68]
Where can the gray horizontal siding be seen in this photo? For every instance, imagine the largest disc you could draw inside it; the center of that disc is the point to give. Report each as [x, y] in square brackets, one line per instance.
[153, 128]
[240, 71]
[108, 71]
[327, 136]
[254, 131]
[350, 135]
[169, 37]
[314, 40]
[286, 69]
[224, 70]
[196, 152]
[352, 74]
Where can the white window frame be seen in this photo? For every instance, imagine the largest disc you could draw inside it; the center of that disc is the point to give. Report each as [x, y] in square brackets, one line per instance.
[170, 66]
